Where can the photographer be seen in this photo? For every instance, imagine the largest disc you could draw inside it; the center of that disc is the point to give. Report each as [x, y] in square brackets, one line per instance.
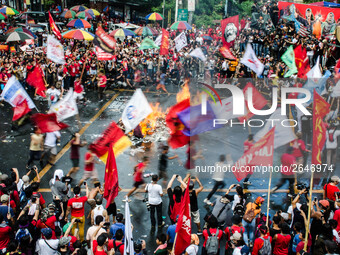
[331, 189]
[59, 189]
[155, 194]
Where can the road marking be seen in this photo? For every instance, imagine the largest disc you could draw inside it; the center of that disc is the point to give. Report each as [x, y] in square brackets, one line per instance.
[84, 128]
[208, 190]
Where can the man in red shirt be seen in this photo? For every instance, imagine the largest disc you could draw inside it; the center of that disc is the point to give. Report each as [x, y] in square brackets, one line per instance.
[89, 168]
[76, 206]
[236, 227]
[212, 231]
[101, 84]
[5, 232]
[331, 188]
[138, 175]
[287, 166]
[299, 149]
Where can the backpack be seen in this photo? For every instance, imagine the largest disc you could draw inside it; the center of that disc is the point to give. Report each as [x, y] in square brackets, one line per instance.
[266, 248]
[249, 215]
[116, 247]
[212, 243]
[239, 208]
[231, 232]
[44, 215]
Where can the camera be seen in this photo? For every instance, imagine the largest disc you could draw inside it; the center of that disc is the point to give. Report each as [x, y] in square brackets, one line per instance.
[107, 224]
[77, 221]
[302, 186]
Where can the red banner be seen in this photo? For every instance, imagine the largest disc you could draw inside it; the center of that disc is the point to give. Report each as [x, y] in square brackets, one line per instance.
[54, 27]
[260, 154]
[320, 109]
[258, 101]
[301, 61]
[164, 49]
[36, 80]
[47, 122]
[114, 136]
[111, 178]
[183, 228]
[230, 30]
[20, 110]
[226, 53]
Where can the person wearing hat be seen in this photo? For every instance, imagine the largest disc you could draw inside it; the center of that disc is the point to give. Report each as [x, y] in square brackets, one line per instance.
[238, 245]
[4, 206]
[47, 246]
[64, 244]
[252, 210]
[331, 189]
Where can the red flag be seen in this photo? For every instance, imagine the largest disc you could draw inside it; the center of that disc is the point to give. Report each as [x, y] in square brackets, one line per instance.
[320, 109]
[183, 228]
[164, 49]
[36, 79]
[230, 30]
[177, 138]
[226, 53]
[47, 122]
[114, 136]
[301, 61]
[20, 110]
[53, 26]
[258, 101]
[111, 177]
[261, 153]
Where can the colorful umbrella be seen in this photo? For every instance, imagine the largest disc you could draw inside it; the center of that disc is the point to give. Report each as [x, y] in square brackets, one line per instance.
[2, 16]
[79, 8]
[18, 36]
[146, 31]
[122, 33]
[147, 43]
[93, 12]
[154, 16]
[78, 34]
[79, 23]
[8, 11]
[21, 29]
[83, 15]
[207, 37]
[68, 14]
[181, 25]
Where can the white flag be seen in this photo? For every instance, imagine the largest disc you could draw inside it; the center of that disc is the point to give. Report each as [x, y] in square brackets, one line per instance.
[336, 90]
[66, 107]
[14, 93]
[198, 53]
[128, 241]
[158, 40]
[135, 111]
[55, 50]
[315, 73]
[283, 135]
[181, 41]
[250, 60]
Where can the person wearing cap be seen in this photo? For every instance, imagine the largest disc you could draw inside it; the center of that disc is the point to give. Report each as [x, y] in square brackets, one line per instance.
[320, 217]
[119, 224]
[50, 221]
[64, 245]
[4, 206]
[238, 245]
[250, 226]
[331, 189]
[47, 246]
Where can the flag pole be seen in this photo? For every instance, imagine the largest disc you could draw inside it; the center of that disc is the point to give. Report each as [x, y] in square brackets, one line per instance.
[309, 211]
[173, 246]
[268, 203]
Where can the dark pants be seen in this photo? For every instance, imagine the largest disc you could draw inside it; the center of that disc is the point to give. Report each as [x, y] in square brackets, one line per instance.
[101, 92]
[34, 155]
[283, 179]
[218, 185]
[153, 208]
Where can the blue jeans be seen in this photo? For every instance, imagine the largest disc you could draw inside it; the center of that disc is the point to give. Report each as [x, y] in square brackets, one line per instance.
[249, 231]
[256, 48]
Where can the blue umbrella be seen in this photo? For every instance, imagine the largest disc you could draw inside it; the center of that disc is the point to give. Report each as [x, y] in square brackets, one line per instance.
[205, 37]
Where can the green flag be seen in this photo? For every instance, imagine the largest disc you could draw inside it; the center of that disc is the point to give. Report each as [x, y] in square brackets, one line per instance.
[289, 59]
[147, 43]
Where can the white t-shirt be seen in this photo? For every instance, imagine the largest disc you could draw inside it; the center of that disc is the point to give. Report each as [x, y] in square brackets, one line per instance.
[42, 248]
[154, 193]
[51, 138]
[290, 211]
[192, 249]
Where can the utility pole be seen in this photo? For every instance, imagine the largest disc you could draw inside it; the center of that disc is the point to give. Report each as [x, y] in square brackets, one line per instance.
[163, 13]
[176, 11]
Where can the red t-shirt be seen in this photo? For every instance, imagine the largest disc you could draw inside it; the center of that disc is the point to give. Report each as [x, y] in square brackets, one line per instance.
[88, 166]
[94, 249]
[234, 229]
[331, 189]
[281, 244]
[4, 236]
[102, 81]
[287, 160]
[299, 147]
[77, 206]
[72, 70]
[110, 245]
[41, 199]
[337, 218]
[258, 244]
[247, 145]
[50, 223]
[212, 231]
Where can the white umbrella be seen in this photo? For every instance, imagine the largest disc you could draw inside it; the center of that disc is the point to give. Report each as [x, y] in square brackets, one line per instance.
[18, 36]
